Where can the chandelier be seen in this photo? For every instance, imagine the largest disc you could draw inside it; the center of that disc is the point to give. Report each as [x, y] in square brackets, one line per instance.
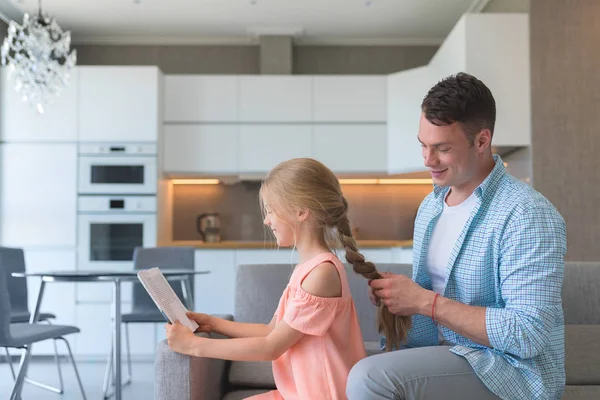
[38, 58]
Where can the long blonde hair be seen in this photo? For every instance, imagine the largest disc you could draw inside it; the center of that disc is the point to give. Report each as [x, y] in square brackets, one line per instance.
[304, 183]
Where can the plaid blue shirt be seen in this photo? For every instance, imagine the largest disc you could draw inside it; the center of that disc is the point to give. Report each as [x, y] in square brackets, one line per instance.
[509, 258]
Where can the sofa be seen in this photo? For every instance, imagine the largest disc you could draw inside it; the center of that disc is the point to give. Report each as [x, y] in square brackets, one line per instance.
[258, 288]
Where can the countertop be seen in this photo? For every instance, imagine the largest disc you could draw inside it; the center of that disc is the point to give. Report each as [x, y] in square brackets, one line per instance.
[261, 244]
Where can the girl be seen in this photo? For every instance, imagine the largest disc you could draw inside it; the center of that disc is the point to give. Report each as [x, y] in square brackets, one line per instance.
[314, 338]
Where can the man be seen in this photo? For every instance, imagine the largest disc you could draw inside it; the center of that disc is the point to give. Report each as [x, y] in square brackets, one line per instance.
[488, 267]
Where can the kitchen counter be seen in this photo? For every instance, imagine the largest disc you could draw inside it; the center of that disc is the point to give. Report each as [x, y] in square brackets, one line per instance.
[261, 244]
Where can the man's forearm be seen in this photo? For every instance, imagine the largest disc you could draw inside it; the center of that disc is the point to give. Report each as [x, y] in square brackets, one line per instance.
[468, 321]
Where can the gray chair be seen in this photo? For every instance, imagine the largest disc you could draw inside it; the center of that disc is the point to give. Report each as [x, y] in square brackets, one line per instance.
[143, 309]
[23, 335]
[13, 260]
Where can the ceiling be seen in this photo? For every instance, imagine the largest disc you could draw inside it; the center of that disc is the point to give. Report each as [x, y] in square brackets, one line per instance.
[241, 21]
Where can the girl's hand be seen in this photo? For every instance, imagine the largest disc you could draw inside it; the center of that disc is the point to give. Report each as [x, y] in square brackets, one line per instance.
[204, 321]
[181, 339]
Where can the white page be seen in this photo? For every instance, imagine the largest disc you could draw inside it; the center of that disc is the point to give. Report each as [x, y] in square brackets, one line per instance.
[164, 297]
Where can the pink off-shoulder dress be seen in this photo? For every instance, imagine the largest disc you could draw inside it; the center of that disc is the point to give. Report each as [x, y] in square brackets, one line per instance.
[317, 367]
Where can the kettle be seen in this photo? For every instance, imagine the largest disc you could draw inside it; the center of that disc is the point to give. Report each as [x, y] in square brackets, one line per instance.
[209, 227]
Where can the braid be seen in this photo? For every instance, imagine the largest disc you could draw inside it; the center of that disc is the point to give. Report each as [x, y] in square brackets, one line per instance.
[395, 328]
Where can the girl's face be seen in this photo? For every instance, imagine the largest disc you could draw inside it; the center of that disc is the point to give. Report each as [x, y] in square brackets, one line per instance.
[281, 224]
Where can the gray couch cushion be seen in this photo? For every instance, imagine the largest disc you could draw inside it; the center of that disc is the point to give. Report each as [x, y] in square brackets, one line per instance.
[581, 302]
[252, 374]
[581, 393]
[242, 394]
[582, 354]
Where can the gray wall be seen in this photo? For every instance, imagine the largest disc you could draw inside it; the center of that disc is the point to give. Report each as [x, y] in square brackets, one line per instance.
[565, 96]
[246, 59]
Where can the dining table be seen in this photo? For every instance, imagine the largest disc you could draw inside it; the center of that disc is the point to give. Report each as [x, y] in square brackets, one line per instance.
[116, 277]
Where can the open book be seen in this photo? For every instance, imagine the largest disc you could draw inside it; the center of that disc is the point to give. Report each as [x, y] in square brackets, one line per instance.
[164, 297]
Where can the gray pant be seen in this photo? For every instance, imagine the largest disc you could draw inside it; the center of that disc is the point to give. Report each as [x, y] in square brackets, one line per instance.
[417, 373]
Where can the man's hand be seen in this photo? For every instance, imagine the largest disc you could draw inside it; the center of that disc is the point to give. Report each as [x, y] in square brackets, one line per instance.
[401, 295]
[374, 299]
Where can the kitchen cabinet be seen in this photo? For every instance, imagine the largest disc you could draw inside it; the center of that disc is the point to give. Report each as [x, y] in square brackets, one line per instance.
[38, 195]
[406, 90]
[349, 99]
[201, 98]
[214, 292]
[495, 49]
[275, 99]
[20, 122]
[261, 147]
[201, 149]
[119, 104]
[354, 148]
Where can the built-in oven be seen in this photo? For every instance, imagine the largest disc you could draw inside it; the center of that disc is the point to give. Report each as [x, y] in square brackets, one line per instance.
[111, 227]
[117, 169]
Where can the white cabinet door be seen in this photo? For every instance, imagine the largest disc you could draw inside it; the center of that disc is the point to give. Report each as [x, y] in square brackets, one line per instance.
[118, 104]
[264, 146]
[20, 122]
[349, 98]
[382, 255]
[58, 298]
[38, 195]
[200, 149]
[283, 255]
[275, 99]
[402, 255]
[406, 90]
[95, 322]
[194, 98]
[214, 293]
[351, 148]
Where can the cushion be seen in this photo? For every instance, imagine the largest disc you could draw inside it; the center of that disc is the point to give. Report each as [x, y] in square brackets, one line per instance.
[252, 374]
[581, 393]
[242, 394]
[582, 354]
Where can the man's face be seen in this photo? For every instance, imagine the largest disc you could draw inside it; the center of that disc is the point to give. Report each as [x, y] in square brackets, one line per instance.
[447, 153]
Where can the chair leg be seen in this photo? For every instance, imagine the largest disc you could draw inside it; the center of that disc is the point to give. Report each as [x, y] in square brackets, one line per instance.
[74, 366]
[23, 364]
[10, 364]
[60, 389]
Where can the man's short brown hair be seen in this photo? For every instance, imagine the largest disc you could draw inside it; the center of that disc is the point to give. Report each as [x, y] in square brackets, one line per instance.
[463, 99]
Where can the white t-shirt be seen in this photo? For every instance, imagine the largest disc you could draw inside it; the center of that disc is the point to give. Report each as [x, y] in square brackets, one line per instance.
[446, 231]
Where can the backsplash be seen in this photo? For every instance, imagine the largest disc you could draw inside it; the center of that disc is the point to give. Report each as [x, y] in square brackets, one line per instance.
[379, 212]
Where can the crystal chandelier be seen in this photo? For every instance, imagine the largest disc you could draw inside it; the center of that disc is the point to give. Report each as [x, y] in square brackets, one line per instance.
[38, 58]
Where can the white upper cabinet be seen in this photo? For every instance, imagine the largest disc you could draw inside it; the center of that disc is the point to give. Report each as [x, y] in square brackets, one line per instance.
[351, 147]
[200, 149]
[119, 104]
[349, 98]
[264, 146]
[498, 54]
[275, 99]
[198, 98]
[20, 122]
[38, 195]
[495, 49]
[406, 90]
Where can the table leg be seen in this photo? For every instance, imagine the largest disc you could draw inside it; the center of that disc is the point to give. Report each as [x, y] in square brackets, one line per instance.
[26, 353]
[117, 337]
